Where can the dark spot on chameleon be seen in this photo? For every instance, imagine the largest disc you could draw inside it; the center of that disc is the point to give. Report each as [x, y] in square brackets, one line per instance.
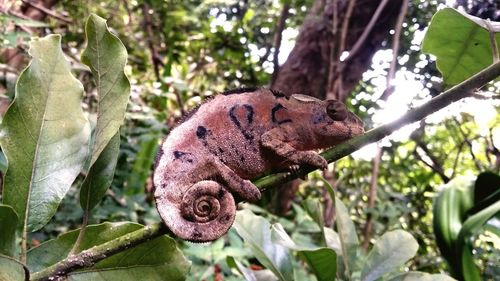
[242, 158]
[196, 234]
[249, 109]
[201, 132]
[178, 154]
[221, 150]
[278, 94]
[221, 193]
[225, 218]
[319, 117]
[275, 109]
[189, 217]
[240, 91]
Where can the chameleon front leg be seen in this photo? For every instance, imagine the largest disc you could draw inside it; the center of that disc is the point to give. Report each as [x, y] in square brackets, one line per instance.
[275, 141]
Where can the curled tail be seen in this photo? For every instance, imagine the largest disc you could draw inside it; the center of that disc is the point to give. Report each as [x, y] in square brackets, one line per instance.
[206, 212]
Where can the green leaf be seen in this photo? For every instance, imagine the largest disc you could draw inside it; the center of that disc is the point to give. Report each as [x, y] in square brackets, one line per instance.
[141, 168]
[22, 22]
[315, 211]
[8, 221]
[106, 56]
[100, 175]
[321, 260]
[44, 135]
[246, 272]
[421, 276]
[449, 212]
[157, 259]
[256, 232]
[461, 44]
[12, 270]
[464, 241]
[390, 251]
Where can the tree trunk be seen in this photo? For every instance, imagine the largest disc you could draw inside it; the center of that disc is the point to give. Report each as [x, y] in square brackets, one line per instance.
[314, 68]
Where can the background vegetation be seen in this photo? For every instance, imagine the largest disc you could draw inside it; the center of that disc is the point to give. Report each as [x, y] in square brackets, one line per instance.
[182, 52]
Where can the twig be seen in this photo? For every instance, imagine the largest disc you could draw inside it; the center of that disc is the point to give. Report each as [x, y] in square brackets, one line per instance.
[469, 144]
[91, 256]
[372, 197]
[46, 11]
[395, 49]
[277, 40]
[368, 29]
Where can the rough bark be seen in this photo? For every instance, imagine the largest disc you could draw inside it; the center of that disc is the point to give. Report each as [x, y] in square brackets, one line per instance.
[306, 71]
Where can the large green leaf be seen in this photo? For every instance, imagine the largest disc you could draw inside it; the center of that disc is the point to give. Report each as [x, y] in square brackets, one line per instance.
[449, 212]
[321, 260]
[461, 44]
[100, 175]
[44, 135]
[12, 270]
[157, 259]
[106, 56]
[390, 251]
[256, 232]
[8, 223]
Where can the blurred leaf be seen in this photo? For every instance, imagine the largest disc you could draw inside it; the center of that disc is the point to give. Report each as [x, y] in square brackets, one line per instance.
[166, 262]
[44, 135]
[461, 44]
[246, 272]
[390, 251]
[141, 168]
[22, 22]
[486, 188]
[449, 210]
[321, 260]
[464, 242]
[421, 276]
[256, 232]
[106, 56]
[8, 221]
[315, 211]
[100, 175]
[12, 270]
[3, 163]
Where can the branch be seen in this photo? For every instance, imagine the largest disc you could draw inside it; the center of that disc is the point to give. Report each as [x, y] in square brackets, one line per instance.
[277, 40]
[89, 257]
[454, 94]
[47, 11]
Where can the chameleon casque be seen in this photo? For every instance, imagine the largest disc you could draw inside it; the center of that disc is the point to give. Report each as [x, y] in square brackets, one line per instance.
[234, 137]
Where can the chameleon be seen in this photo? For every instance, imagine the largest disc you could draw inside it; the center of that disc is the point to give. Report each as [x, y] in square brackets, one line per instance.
[232, 138]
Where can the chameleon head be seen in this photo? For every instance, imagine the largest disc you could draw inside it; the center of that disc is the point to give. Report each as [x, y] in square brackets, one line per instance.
[330, 121]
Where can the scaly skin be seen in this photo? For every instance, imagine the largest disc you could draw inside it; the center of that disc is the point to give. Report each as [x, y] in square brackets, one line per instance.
[235, 137]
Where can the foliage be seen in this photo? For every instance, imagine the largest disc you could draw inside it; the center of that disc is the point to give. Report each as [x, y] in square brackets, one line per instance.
[204, 47]
[460, 211]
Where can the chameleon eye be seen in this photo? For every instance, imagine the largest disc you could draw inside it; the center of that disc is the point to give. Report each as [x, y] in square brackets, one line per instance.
[336, 110]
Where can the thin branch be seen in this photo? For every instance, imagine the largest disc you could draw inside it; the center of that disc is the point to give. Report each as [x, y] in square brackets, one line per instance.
[372, 197]
[469, 144]
[278, 34]
[48, 12]
[91, 256]
[395, 50]
[357, 46]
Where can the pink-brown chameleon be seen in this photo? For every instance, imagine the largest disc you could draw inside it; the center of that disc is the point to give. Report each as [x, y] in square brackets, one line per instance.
[235, 137]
